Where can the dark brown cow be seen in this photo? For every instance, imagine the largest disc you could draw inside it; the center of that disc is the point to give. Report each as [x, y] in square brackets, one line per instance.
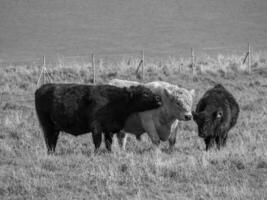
[216, 113]
[78, 109]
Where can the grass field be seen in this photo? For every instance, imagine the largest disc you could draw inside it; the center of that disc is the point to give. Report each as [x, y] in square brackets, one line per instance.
[238, 171]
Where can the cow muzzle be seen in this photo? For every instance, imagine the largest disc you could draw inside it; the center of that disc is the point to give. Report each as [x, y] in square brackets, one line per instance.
[188, 117]
[203, 133]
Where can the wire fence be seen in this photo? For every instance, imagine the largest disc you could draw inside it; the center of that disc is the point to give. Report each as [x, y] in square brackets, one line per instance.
[95, 59]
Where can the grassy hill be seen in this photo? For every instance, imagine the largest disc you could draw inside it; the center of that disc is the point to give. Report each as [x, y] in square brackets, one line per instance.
[238, 171]
[30, 28]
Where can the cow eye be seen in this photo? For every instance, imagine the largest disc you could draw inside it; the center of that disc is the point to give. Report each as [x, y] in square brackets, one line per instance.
[178, 104]
[145, 94]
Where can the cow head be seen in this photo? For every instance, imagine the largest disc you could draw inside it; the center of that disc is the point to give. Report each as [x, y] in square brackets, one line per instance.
[208, 121]
[143, 98]
[181, 101]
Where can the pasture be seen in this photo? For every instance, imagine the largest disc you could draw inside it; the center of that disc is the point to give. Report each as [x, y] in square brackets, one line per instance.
[238, 171]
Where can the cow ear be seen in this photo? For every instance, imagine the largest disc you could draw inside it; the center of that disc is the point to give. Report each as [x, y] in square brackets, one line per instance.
[166, 92]
[192, 92]
[219, 114]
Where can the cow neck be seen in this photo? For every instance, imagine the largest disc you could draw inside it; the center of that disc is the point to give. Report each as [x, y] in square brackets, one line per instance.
[166, 117]
[165, 112]
[130, 109]
[126, 112]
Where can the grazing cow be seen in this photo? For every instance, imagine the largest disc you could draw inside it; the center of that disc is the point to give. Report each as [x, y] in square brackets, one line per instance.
[160, 124]
[216, 113]
[78, 109]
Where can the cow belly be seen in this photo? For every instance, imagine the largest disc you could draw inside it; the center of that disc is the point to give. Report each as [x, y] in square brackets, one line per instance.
[112, 126]
[73, 128]
[76, 131]
[74, 125]
[133, 125]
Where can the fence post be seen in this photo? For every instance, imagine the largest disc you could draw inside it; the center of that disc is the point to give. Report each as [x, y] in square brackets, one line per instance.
[44, 69]
[143, 64]
[41, 79]
[63, 61]
[93, 65]
[249, 59]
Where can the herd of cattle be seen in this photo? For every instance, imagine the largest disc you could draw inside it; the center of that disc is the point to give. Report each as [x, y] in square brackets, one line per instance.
[125, 107]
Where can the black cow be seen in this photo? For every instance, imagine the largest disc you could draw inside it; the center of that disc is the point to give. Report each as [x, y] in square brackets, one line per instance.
[216, 113]
[78, 109]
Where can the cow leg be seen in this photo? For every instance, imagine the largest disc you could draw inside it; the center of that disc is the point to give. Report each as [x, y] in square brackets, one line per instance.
[148, 125]
[50, 134]
[52, 142]
[218, 141]
[152, 133]
[222, 135]
[209, 142]
[122, 137]
[108, 141]
[172, 142]
[97, 139]
[224, 140]
[172, 139]
[221, 141]
[97, 135]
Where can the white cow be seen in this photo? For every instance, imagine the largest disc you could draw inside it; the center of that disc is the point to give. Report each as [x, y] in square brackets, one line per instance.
[160, 124]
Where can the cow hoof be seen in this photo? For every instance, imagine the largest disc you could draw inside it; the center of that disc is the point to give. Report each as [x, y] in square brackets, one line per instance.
[51, 153]
[171, 149]
[156, 149]
[97, 151]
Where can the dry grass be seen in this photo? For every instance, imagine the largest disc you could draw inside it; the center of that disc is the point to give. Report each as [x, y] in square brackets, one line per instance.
[237, 172]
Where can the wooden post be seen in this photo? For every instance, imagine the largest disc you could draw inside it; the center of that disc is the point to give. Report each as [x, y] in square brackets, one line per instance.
[47, 78]
[93, 65]
[143, 65]
[44, 70]
[44, 61]
[249, 59]
[41, 77]
[63, 61]
[138, 67]
[193, 61]
[245, 58]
